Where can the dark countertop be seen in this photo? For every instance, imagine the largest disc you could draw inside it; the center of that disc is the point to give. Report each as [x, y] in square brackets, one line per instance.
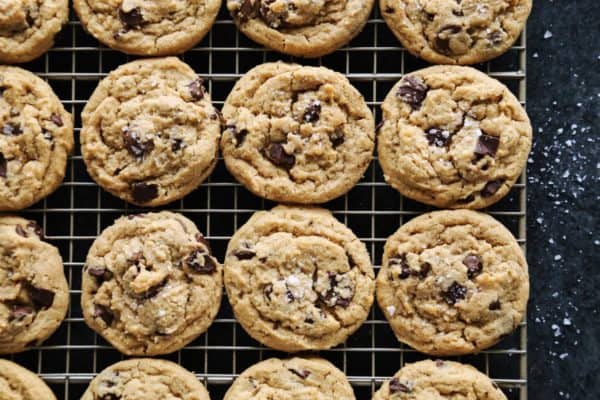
[563, 197]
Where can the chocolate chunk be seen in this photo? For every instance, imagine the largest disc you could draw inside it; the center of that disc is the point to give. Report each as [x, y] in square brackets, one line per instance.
[454, 293]
[267, 291]
[3, 166]
[491, 187]
[496, 37]
[131, 19]
[412, 91]
[273, 18]
[144, 192]
[153, 291]
[277, 155]
[35, 228]
[41, 298]
[19, 312]
[437, 137]
[10, 129]
[337, 139]
[2, 90]
[201, 262]
[132, 216]
[248, 9]
[312, 112]
[20, 231]
[201, 239]
[340, 291]
[56, 119]
[397, 387]
[134, 145]
[239, 136]
[196, 89]
[494, 305]
[109, 396]
[487, 145]
[217, 115]
[425, 269]
[100, 273]
[405, 270]
[388, 10]
[442, 40]
[301, 374]
[244, 253]
[473, 264]
[177, 145]
[104, 313]
[467, 199]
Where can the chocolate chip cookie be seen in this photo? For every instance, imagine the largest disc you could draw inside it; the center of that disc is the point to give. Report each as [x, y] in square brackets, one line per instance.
[439, 380]
[18, 383]
[302, 28]
[297, 134]
[452, 282]
[455, 31]
[28, 28]
[145, 379]
[295, 378]
[36, 137]
[298, 279]
[150, 284]
[34, 295]
[150, 134]
[453, 137]
[148, 27]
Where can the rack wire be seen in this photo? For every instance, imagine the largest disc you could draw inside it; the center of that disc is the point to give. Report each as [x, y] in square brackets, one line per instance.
[74, 215]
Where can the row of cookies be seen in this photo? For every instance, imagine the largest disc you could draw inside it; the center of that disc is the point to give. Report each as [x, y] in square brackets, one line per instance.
[451, 282]
[296, 378]
[440, 31]
[451, 136]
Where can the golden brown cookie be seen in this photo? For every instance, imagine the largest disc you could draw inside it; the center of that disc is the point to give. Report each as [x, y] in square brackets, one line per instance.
[18, 383]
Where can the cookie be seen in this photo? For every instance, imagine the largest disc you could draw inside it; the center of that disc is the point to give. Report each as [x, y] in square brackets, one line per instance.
[28, 28]
[143, 379]
[440, 380]
[296, 134]
[298, 279]
[150, 284]
[295, 378]
[150, 134]
[18, 383]
[34, 294]
[301, 28]
[456, 32]
[148, 27]
[36, 137]
[453, 137]
[452, 282]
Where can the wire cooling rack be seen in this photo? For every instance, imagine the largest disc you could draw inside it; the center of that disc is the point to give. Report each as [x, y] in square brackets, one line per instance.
[74, 215]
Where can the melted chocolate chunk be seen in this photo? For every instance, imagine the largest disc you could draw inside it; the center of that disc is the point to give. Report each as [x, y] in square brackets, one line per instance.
[425, 269]
[334, 295]
[176, 145]
[196, 89]
[397, 387]
[35, 228]
[487, 145]
[405, 270]
[10, 129]
[144, 192]
[3, 166]
[473, 264]
[153, 291]
[272, 18]
[56, 119]
[201, 262]
[201, 239]
[312, 112]
[41, 298]
[495, 37]
[442, 39]
[19, 312]
[437, 137]
[248, 10]
[494, 305]
[277, 155]
[337, 139]
[20, 231]
[301, 374]
[454, 293]
[244, 253]
[104, 313]
[388, 10]
[100, 273]
[131, 19]
[491, 187]
[134, 145]
[267, 291]
[412, 91]
[109, 396]
[239, 136]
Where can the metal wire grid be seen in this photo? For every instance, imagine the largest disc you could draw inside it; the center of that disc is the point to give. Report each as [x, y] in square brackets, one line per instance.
[74, 215]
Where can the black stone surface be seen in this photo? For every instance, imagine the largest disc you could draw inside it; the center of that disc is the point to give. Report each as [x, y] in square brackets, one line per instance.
[563, 192]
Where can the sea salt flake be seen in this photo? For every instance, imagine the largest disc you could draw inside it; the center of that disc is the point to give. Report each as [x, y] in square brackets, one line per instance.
[547, 35]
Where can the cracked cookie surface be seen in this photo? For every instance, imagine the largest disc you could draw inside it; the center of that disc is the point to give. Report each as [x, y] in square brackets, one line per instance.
[28, 27]
[150, 134]
[440, 380]
[34, 295]
[303, 28]
[148, 27]
[298, 279]
[294, 378]
[18, 383]
[150, 284]
[455, 31]
[143, 379]
[452, 282]
[453, 137]
[296, 134]
[36, 137]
